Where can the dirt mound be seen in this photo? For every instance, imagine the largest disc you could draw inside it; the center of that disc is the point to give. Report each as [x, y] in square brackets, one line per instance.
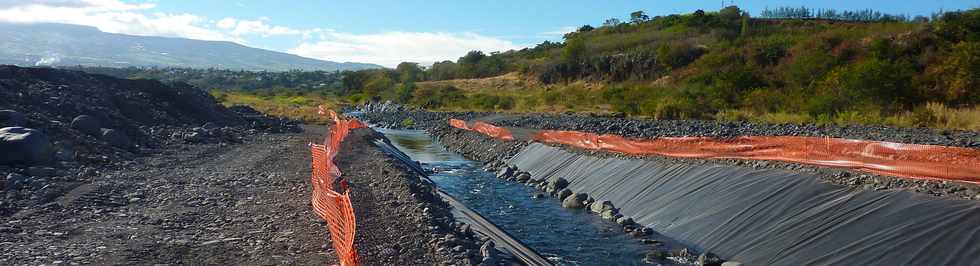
[93, 123]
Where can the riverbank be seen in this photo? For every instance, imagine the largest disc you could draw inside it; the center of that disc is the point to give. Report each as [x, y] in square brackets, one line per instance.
[624, 181]
[436, 122]
[401, 220]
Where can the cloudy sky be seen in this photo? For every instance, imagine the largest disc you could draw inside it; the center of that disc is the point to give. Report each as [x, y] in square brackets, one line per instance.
[386, 32]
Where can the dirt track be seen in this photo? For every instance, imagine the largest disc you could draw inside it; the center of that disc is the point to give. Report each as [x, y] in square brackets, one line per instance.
[196, 204]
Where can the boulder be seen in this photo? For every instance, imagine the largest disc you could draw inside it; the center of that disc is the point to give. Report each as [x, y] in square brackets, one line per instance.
[575, 201]
[523, 177]
[23, 145]
[505, 172]
[601, 206]
[87, 124]
[564, 193]
[610, 215]
[731, 263]
[557, 184]
[116, 138]
[11, 118]
[625, 221]
[709, 259]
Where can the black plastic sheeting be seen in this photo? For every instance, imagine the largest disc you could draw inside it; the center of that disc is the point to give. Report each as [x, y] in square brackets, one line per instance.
[771, 216]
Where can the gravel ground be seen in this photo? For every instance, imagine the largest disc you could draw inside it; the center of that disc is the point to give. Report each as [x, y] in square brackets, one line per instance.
[193, 204]
[400, 219]
[247, 204]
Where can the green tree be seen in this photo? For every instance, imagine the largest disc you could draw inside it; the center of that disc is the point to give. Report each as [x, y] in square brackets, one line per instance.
[408, 72]
[638, 17]
[574, 50]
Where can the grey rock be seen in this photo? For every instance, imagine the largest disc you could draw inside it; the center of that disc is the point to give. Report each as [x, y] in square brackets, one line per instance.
[11, 118]
[116, 138]
[505, 172]
[557, 184]
[87, 124]
[609, 214]
[602, 206]
[575, 201]
[523, 177]
[625, 221]
[709, 259]
[15, 181]
[23, 145]
[731, 263]
[564, 193]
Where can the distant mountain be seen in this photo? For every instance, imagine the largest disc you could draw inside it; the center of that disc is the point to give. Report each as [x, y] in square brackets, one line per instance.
[63, 44]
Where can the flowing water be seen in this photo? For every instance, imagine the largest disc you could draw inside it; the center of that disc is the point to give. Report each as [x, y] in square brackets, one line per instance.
[564, 236]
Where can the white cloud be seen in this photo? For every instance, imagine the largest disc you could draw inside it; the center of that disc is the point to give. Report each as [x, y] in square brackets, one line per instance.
[386, 48]
[390, 48]
[246, 27]
[227, 23]
[559, 32]
[111, 16]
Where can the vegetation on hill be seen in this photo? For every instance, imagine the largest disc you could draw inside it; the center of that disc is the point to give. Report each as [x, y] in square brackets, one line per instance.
[816, 66]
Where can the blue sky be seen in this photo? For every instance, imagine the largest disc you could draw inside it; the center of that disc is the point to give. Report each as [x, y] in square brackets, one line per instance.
[386, 32]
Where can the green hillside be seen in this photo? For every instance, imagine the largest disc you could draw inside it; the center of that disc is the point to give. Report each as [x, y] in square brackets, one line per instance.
[793, 65]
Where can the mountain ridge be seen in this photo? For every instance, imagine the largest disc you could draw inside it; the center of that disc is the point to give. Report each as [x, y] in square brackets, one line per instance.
[54, 44]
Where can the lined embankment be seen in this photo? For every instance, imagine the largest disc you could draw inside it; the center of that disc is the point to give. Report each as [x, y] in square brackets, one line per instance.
[772, 214]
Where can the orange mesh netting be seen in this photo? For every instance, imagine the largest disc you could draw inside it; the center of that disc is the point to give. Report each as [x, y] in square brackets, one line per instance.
[331, 205]
[460, 124]
[493, 131]
[887, 158]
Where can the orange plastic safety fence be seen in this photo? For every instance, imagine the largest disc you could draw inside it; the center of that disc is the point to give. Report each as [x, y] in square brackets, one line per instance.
[896, 159]
[331, 197]
[460, 124]
[493, 131]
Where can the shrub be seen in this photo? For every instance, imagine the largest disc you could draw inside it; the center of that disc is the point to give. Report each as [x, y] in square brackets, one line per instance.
[408, 122]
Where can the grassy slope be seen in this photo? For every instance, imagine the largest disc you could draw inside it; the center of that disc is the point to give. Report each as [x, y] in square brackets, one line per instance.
[894, 73]
[302, 107]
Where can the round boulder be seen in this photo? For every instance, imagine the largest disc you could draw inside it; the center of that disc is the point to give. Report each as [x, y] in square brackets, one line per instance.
[564, 193]
[23, 145]
[11, 118]
[116, 138]
[87, 124]
[557, 184]
[602, 206]
[575, 201]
